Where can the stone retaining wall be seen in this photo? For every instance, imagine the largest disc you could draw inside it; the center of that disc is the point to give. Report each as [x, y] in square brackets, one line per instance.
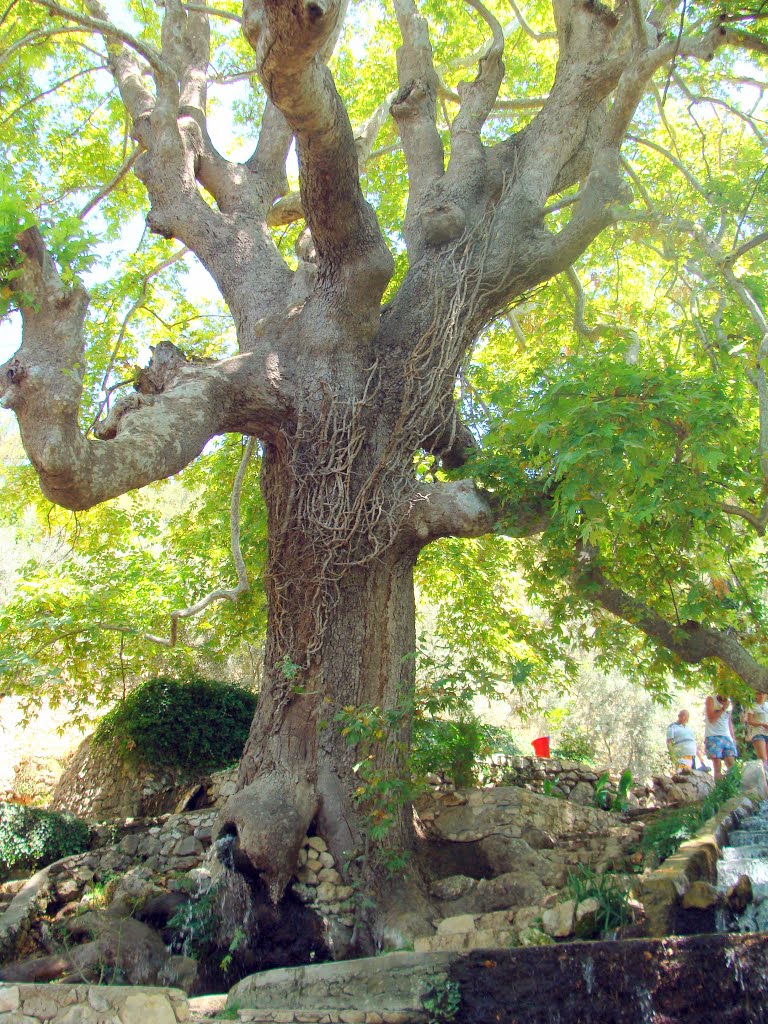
[91, 1004]
[170, 844]
[505, 813]
[171, 853]
[575, 781]
[97, 786]
[558, 776]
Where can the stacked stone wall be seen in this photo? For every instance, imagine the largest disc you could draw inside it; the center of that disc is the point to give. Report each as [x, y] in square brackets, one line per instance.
[97, 786]
[578, 782]
[91, 1004]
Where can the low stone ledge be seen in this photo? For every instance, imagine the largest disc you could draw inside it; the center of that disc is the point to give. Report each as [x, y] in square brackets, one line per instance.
[92, 1004]
[324, 1017]
[391, 984]
[22, 909]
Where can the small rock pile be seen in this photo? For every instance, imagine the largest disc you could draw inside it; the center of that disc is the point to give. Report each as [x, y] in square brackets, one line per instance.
[319, 885]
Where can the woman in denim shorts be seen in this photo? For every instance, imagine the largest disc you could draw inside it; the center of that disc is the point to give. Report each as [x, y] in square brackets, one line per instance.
[757, 726]
[719, 741]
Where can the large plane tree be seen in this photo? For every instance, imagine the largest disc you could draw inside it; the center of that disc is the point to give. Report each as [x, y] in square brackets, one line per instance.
[349, 346]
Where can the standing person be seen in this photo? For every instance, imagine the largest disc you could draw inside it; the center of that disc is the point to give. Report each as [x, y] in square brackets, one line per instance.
[757, 726]
[681, 743]
[719, 741]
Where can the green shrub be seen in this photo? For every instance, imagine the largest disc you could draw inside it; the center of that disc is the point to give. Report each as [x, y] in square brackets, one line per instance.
[30, 838]
[613, 898]
[502, 741]
[603, 798]
[457, 748]
[448, 747]
[442, 1001]
[193, 724]
[575, 745]
[727, 786]
[664, 835]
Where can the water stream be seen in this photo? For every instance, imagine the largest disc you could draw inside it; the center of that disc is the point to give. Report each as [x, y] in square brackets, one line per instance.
[746, 854]
[232, 929]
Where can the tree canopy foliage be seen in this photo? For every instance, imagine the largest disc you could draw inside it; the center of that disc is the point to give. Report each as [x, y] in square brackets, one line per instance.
[630, 390]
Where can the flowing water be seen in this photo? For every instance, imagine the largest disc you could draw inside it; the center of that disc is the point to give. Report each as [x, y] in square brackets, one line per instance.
[747, 854]
[232, 929]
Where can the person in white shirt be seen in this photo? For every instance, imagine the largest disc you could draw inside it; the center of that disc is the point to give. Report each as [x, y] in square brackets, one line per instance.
[719, 741]
[681, 742]
[757, 726]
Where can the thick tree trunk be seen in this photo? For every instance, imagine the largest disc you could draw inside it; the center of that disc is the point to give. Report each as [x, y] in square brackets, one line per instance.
[341, 635]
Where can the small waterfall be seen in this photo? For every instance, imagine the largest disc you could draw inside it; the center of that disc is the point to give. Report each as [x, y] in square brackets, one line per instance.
[223, 852]
[193, 922]
[588, 971]
[230, 926]
[645, 1005]
[746, 854]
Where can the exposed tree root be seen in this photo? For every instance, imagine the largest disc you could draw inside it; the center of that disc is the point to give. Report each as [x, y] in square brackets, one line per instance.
[270, 818]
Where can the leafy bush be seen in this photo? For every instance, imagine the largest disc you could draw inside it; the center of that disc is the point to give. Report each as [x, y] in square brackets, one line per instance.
[457, 748]
[575, 745]
[603, 798]
[664, 835]
[193, 724]
[442, 1001]
[30, 838]
[613, 898]
[727, 786]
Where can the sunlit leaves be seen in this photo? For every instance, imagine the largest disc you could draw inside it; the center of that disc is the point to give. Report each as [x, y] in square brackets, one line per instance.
[99, 581]
[640, 423]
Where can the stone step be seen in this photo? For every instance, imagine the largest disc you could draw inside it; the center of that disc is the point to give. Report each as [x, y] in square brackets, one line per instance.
[207, 1007]
[457, 942]
[751, 824]
[385, 989]
[732, 854]
[318, 1016]
[729, 872]
[748, 837]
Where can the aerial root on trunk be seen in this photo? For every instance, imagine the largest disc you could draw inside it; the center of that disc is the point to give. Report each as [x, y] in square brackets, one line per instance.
[269, 818]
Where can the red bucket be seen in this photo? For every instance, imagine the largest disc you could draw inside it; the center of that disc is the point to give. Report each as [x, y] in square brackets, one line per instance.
[541, 746]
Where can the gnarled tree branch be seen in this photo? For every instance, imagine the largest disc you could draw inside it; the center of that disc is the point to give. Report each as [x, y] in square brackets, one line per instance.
[414, 109]
[460, 509]
[152, 434]
[290, 43]
[170, 125]
[692, 642]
